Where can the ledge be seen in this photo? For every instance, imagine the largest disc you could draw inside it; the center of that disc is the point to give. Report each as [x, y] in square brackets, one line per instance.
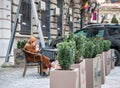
[7, 64]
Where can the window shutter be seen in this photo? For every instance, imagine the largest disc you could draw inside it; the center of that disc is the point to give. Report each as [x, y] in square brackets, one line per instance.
[26, 18]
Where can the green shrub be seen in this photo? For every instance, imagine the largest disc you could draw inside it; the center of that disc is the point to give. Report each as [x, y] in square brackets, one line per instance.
[89, 49]
[21, 44]
[80, 47]
[79, 41]
[114, 19]
[93, 46]
[99, 44]
[107, 45]
[69, 37]
[66, 54]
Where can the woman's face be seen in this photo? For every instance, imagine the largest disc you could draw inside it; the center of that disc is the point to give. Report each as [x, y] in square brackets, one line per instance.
[33, 43]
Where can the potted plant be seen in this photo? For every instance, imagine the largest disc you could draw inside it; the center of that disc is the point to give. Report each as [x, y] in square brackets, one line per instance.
[79, 62]
[104, 70]
[80, 47]
[79, 41]
[92, 63]
[66, 54]
[21, 44]
[107, 57]
[18, 55]
[99, 44]
[66, 77]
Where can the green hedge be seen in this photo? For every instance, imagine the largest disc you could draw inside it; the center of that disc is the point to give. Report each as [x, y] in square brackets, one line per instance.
[75, 46]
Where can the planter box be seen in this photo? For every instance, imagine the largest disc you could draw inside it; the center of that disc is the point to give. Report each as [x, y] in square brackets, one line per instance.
[82, 73]
[112, 64]
[113, 60]
[64, 78]
[102, 68]
[108, 59]
[19, 60]
[93, 72]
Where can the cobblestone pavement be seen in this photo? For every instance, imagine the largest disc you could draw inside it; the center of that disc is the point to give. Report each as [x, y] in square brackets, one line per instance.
[12, 78]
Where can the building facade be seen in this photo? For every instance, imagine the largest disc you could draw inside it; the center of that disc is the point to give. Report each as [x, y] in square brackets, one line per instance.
[57, 18]
[108, 10]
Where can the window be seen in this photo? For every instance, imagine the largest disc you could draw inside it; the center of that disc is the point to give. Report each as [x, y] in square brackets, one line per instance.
[45, 19]
[97, 32]
[113, 31]
[25, 18]
[83, 32]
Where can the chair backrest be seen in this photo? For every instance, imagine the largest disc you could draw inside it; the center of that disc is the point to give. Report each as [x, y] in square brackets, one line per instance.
[49, 54]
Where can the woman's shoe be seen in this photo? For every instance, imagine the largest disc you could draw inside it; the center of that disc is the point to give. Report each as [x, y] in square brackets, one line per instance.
[45, 74]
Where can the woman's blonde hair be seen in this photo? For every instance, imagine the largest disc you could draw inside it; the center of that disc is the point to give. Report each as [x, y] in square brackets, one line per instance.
[32, 39]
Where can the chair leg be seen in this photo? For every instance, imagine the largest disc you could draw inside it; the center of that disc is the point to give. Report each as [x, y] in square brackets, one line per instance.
[49, 71]
[38, 68]
[41, 69]
[25, 68]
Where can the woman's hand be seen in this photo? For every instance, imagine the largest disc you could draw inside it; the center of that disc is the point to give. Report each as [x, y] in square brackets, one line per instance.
[37, 48]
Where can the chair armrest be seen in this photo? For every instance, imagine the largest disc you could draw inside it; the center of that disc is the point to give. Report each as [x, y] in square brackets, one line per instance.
[31, 54]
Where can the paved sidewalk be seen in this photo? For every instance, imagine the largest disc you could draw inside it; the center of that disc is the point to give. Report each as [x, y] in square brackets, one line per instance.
[113, 79]
[12, 78]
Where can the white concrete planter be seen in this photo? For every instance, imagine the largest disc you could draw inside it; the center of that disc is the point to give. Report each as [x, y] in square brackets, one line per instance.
[64, 78]
[107, 56]
[93, 72]
[102, 68]
[82, 73]
[112, 64]
[113, 61]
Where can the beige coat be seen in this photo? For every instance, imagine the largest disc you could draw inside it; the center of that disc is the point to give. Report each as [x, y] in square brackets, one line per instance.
[45, 60]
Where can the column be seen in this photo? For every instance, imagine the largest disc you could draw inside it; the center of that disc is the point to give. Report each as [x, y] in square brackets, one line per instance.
[5, 26]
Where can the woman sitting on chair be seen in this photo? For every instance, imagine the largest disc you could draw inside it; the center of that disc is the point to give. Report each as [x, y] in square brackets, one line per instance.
[32, 46]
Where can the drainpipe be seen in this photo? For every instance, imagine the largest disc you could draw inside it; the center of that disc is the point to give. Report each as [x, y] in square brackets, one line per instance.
[49, 32]
[98, 12]
[11, 13]
[81, 18]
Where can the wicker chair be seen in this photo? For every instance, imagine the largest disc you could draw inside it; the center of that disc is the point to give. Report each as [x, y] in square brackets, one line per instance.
[31, 61]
